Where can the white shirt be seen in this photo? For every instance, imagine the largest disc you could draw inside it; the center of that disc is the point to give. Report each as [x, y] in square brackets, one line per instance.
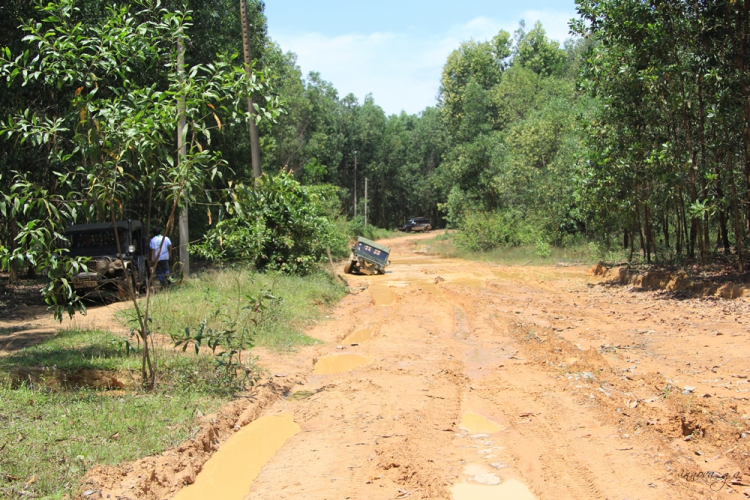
[156, 242]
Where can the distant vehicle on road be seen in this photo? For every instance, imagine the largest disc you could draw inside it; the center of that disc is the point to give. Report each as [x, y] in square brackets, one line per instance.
[106, 271]
[416, 224]
[367, 257]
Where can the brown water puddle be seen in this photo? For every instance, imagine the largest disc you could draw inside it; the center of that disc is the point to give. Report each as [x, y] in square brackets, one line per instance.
[382, 295]
[527, 274]
[472, 282]
[478, 424]
[432, 288]
[462, 323]
[420, 262]
[358, 336]
[230, 472]
[510, 489]
[339, 363]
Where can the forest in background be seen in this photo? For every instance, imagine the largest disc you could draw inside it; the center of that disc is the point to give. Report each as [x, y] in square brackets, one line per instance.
[633, 133]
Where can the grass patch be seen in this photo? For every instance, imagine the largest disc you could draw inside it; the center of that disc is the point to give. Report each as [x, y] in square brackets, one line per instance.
[76, 349]
[56, 437]
[580, 252]
[302, 300]
[376, 233]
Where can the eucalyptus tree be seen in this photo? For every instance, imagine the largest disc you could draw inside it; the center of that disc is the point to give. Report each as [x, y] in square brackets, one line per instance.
[672, 78]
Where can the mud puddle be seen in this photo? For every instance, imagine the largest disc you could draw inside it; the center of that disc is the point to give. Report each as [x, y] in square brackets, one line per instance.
[529, 274]
[472, 282]
[508, 490]
[382, 295]
[358, 336]
[429, 287]
[231, 471]
[478, 424]
[462, 323]
[338, 363]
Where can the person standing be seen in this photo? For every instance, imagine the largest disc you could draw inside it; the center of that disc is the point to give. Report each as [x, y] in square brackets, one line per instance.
[161, 257]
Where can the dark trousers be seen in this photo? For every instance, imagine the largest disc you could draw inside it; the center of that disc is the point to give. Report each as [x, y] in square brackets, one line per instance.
[162, 272]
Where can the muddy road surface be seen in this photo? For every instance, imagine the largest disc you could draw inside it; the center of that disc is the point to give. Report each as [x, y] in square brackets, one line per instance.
[449, 379]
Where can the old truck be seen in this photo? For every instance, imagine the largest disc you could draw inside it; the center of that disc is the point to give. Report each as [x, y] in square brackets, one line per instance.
[367, 257]
[109, 270]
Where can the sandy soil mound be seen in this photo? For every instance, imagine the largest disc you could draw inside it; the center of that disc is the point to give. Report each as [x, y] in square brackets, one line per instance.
[671, 281]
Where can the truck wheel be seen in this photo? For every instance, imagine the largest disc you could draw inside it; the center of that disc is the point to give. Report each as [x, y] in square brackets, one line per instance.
[348, 267]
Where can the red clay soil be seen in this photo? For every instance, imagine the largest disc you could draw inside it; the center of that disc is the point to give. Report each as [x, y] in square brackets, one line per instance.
[588, 391]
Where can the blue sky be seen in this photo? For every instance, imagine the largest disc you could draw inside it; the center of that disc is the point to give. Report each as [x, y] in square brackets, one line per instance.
[396, 49]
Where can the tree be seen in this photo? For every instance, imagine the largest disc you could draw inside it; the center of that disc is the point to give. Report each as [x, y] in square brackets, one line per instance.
[115, 138]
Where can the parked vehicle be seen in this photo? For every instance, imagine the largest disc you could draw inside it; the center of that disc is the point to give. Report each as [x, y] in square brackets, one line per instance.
[367, 257]
[416, 224]
[106, 271]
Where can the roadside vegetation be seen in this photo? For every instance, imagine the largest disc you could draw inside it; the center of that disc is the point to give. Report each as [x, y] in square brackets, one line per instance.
[52, 433]
[579, 251]
[221, 297]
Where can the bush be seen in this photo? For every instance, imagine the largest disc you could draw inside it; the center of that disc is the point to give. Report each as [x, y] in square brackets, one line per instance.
[484, 231]
[542, 248]
[276, 224]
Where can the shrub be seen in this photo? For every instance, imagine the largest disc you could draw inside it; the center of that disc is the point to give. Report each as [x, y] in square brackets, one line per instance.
[277, 223]
[483, 231]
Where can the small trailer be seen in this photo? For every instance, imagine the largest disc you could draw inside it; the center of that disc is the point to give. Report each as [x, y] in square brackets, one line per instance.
[367, 257]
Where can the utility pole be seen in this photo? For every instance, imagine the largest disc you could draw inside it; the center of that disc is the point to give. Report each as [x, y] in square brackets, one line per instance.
[366, 202]
[183, 220]
[254, 141]
[355, 184]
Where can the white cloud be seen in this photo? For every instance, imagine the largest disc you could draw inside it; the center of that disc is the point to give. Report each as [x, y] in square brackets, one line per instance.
[401, 70]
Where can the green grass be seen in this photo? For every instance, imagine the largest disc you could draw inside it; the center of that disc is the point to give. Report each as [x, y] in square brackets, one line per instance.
[74, 349]
[55, 437]
[582, 253]
[376, 233]
[302, 300]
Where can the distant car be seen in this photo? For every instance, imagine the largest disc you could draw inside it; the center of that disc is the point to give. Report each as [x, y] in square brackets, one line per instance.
[106, 270]
[416, 224]
[367, 257]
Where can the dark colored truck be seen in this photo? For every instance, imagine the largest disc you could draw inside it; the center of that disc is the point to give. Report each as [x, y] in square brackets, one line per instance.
[106, 271]
[416, 224]
[367, 257]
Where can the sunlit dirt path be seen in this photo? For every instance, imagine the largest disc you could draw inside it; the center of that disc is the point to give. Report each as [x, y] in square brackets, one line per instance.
[481, 381]
[450, 379]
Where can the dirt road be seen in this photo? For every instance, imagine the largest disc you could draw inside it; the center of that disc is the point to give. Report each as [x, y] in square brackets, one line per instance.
[448, 379]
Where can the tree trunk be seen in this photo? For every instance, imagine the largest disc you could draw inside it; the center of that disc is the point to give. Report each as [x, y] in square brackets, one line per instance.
[706, 247]
[738, 228]
[723, 232]
[254, 139]
[678, 232]
[12, 244]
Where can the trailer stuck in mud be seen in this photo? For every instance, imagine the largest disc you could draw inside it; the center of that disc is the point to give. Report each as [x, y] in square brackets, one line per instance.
[367, 257]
